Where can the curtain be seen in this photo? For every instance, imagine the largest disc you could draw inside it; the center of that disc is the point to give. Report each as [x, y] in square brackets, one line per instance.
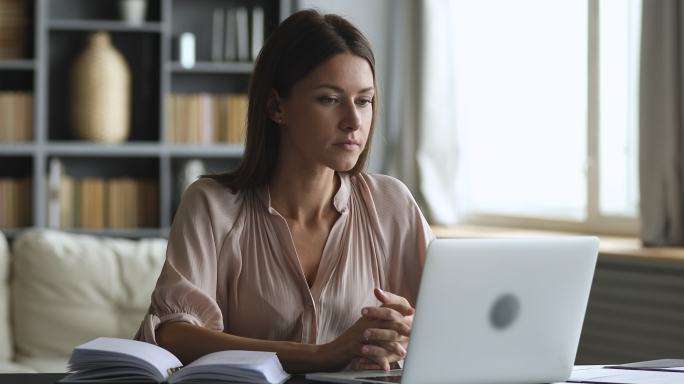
[661, 123]
[420, 121]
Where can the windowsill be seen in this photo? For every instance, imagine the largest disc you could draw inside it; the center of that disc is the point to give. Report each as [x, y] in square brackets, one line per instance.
[612, 246]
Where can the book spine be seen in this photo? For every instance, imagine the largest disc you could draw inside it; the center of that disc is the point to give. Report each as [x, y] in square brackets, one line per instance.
[217, 35]
[242, 23]
[257, 31]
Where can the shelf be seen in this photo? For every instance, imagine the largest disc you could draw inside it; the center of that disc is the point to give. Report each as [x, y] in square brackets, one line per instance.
[204, 150]
[123, 232]
[94, 149]
[207, 67]
[103, 25]
[11, 233]
[18, 65]
[16, 149]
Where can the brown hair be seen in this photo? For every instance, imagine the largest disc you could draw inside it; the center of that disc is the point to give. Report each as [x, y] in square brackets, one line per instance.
[298, 45]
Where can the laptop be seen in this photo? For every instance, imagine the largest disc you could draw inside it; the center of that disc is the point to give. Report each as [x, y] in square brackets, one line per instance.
[494, 311]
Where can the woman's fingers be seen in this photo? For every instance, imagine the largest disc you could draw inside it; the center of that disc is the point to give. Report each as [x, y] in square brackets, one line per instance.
[379, 355]
[390, 298]
[382, 313]
[379, 334]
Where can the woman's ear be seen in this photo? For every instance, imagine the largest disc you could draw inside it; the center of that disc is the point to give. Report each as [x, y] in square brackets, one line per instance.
[274, 108]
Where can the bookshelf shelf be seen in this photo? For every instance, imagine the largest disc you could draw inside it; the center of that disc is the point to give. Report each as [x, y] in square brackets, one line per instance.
[17, 149]
[211, 67]
[98, 150]
[18, 65]
[123, 232]
[212, 150]
[103, 25]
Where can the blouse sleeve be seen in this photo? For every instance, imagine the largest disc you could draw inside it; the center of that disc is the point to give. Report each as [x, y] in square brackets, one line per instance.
[186, 287]
[406, 235]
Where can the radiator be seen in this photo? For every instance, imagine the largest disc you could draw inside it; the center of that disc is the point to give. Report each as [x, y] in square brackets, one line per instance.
[635, 312]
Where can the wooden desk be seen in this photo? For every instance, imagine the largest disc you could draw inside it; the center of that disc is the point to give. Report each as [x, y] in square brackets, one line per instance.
[51, 378]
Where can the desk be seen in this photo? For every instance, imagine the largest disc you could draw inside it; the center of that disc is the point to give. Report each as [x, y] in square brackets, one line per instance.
[51, 378]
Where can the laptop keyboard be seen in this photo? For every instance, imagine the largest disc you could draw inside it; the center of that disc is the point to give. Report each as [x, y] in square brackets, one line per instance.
[386, 379]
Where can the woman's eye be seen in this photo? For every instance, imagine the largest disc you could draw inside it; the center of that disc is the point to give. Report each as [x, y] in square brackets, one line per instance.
[364, 102]
[327, 100]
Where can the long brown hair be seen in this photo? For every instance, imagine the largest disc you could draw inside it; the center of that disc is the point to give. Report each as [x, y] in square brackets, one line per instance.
[298, 45]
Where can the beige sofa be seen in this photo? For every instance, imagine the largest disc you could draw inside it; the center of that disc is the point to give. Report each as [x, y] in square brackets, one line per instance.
[58, 290]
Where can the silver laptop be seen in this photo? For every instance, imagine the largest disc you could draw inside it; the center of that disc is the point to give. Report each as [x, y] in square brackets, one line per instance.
[494, 311]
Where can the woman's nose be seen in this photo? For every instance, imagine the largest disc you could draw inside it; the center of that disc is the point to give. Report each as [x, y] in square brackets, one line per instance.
[352, 117]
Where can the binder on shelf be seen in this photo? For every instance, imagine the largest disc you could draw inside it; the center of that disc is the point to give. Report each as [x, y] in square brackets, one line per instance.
[230, 52]
[242, 24]
[54, 184]
[217, 34]
[257, 31]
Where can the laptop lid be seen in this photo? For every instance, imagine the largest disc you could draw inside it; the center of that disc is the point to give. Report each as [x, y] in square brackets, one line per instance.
[500, 310]
[495, 311]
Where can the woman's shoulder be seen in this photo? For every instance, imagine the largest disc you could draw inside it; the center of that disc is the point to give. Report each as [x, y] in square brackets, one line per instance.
[385, 187]
[208, 194]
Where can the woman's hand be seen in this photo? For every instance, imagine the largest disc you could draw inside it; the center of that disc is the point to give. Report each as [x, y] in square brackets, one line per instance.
[378, 337]
[393, 307]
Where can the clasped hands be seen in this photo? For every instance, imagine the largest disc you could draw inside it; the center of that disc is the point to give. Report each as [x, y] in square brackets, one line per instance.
[380, 337]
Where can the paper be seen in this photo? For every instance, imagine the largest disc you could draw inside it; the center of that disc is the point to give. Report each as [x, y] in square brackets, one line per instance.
[601, 374]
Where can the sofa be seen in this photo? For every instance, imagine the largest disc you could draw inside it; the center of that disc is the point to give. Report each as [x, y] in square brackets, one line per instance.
[59, 290]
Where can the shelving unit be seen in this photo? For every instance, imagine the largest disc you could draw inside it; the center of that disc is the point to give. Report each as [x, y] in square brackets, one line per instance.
[58, 33]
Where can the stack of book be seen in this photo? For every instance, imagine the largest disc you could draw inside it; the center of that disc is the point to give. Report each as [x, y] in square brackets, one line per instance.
[206, 118]
[13, 27]
[15, 202]
[98, 203]
[232, 39]
[16, 116]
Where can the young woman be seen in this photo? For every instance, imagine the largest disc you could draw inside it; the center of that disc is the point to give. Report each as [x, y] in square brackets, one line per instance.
[298, 249]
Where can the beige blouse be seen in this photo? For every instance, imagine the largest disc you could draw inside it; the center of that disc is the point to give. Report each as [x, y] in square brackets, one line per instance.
[231, 264]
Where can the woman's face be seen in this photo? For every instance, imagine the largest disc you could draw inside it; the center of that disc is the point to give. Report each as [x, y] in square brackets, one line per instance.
[327, 116]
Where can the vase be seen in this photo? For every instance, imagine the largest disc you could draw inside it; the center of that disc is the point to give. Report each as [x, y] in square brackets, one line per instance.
[133, 11]
[100, 92]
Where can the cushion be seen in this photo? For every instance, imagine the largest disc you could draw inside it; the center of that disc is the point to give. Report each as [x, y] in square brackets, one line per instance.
[68, 289]
[6, 349]
[9, 367]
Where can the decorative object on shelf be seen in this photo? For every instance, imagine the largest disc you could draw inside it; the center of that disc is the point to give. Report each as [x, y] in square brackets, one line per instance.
[133, 11]
[101, 92]
[13, 27]
[186, 49]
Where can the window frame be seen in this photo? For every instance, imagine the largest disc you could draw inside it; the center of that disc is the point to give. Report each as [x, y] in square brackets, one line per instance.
[595, 222]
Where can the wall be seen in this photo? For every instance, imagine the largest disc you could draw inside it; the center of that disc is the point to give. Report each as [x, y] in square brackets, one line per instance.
[373, 18]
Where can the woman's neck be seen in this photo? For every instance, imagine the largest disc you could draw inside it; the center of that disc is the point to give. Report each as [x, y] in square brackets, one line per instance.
[304, 195]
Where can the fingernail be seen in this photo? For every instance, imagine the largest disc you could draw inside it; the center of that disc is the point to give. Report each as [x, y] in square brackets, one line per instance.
[365, 349]
[367, 334]
[364, 311]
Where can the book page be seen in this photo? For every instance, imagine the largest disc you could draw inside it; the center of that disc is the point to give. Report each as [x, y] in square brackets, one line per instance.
[161, 359]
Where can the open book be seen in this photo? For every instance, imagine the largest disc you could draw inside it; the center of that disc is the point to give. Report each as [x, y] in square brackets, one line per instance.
[122, 360]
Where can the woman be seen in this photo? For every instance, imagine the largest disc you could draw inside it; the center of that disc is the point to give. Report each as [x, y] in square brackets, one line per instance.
[297, 250]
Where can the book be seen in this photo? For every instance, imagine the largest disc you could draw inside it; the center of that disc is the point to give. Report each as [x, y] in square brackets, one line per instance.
[257, 31]
[217, 35]
[230, 41]
[242, 25]
[107, 359]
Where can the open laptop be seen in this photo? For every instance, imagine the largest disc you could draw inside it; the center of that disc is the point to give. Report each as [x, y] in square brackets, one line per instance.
[494, 311]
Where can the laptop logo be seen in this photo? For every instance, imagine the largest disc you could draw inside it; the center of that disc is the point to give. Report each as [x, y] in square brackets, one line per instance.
[505, 311]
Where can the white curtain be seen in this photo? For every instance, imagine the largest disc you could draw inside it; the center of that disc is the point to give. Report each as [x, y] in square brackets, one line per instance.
[421, 135]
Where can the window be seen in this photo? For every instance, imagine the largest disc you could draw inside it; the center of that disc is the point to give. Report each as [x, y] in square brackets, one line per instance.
[546, 112]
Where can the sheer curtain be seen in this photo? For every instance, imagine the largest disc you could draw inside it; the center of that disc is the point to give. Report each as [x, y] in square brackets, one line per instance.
[420, 120]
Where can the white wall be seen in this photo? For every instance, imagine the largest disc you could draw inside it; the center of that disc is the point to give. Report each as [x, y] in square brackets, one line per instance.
[372, 18]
